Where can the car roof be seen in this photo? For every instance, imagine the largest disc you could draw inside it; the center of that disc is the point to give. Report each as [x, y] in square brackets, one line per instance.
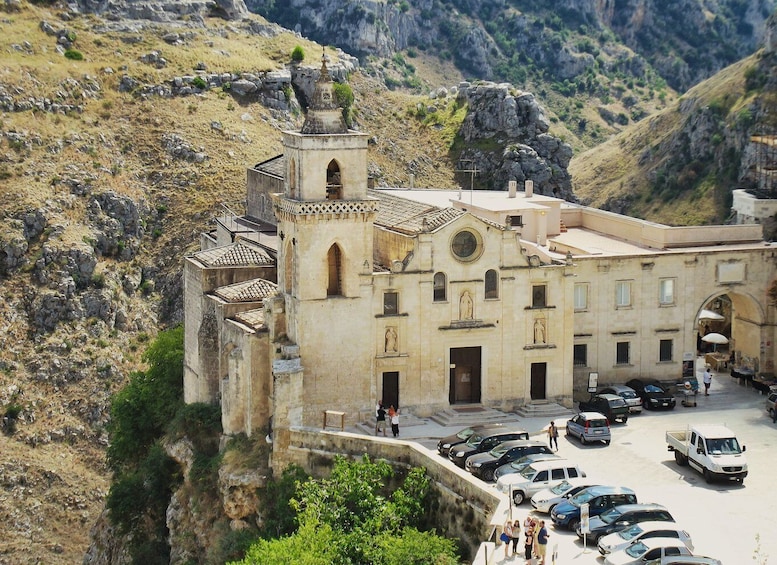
[609, 396]
[593, 415]
[619, 388]
[650, 525]
[505, 431]
[689, 559]
[623, 508]
[522, 443]
[551, 464]
[606, 489]
[663, 542]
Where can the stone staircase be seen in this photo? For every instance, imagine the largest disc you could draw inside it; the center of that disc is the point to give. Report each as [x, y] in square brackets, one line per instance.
[470, 414]
[545, 409]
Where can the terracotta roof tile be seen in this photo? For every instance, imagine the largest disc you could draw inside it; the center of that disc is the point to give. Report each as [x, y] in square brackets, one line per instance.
[252, 318]
[235, 254]
[410, 217]
[247, 291]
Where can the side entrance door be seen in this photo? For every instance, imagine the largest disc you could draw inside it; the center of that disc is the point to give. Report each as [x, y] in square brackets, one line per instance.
[538, 377]
[390, 394]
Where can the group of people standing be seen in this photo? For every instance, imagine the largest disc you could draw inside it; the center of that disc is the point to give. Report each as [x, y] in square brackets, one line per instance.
[381, 414]
[535, 539]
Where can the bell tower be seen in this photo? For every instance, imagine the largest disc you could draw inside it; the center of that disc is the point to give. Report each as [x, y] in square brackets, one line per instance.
[325, 218]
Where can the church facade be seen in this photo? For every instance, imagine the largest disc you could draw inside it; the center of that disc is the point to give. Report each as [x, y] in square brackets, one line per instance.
[329, 295]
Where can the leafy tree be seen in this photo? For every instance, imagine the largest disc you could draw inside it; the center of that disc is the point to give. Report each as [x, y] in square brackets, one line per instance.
[353, 517]
[344, 97]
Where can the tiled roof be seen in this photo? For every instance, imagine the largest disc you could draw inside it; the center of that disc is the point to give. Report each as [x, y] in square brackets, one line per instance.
[247, 291]
[409, 216]
[275, 166]
[253, 318]
[240, 253]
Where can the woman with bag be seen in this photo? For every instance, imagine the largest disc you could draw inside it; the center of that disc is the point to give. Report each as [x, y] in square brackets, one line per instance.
[528, 542]
[507, 536]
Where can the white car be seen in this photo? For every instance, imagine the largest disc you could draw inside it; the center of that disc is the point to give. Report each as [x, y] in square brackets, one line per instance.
[546, 499]
[642, 531]
[536, 477]
[644, 551]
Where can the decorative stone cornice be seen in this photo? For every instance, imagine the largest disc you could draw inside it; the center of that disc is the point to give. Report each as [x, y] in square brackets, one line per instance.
[287, 209]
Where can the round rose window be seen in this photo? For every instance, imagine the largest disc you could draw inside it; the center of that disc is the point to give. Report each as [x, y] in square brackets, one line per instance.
[466, 245]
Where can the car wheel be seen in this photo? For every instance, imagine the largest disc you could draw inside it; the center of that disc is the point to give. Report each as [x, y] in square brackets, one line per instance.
[518, 497]
[488, 475]
[707, 475]
[607, 442]
[550, 509]
[681, 459]
[771, 413]
[582, 439]
[625, 419]
[573, 524]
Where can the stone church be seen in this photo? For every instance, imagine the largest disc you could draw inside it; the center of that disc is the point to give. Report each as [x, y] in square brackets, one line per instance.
[356, 295]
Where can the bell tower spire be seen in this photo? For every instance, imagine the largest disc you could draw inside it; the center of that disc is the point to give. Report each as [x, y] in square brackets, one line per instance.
[324, 115]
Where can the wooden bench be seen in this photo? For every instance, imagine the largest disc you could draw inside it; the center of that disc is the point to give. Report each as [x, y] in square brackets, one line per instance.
[330, 417]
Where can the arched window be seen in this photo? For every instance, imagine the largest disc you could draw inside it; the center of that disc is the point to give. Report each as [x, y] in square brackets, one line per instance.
[293, 178]
[440, 287]
[334, 185]
[287, 267]
[492, 284]
[334, 281]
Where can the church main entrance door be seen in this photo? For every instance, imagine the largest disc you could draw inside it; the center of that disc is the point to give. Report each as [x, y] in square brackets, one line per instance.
[390, 394]
[538, 378]
[465, 375]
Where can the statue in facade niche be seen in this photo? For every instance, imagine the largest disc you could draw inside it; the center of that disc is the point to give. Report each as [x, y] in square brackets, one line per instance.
[465, 306]
[391, 340]
[539, 330]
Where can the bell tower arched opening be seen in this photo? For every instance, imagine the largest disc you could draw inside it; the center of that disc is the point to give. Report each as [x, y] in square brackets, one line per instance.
[334, 183]
[335, 271]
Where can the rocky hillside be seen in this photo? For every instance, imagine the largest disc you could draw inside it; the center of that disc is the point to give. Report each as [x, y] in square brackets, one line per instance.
[598, 66]
[681, 165]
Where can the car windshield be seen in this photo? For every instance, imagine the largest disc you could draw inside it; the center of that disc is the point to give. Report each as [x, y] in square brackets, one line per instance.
[474, 440]
[630, 533]
[609, 516]
[628, 394]
[616, 402]
[528, 472]
[499, 450]
[561, 488]
[723, 446]
[636, 549]
[653, 388]
[581, 498]
[519, 465]
[464, 434]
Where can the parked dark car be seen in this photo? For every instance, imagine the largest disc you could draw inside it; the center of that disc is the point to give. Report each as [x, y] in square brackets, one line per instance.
[483, 465]
[480, 442]
[633, 401]
[567, 513]
[654, 395]
[445, 444]
[620, 517]
[611, 405]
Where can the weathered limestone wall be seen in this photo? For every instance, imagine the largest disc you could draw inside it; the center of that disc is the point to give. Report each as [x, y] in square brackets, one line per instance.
[464, 506]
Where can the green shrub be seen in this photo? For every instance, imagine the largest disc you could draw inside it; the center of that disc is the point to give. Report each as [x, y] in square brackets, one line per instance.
[297, 54]
[74, 55]
[200, 83]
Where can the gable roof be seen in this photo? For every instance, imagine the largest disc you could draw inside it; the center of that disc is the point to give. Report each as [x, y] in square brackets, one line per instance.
[409, 216]
[275, 166]
[253, 290]
[251, 318]
[238, 254]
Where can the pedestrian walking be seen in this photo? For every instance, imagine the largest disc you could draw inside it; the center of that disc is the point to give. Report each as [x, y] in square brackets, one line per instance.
[553, 435]
[380, 418]
[528, 542]
[394, 417]
[707, 378]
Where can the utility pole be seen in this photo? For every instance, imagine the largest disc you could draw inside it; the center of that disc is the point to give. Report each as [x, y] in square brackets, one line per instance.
[468, 166]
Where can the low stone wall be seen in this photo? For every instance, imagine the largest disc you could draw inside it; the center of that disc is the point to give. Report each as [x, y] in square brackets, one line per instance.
[462, 507]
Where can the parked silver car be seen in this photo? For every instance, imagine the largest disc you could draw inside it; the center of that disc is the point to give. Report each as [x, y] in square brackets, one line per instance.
[588, 427]
[633, 401]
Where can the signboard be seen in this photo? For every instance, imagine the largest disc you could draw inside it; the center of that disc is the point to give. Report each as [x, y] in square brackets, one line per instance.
[593, 382]
[688, 365]
[585, 527]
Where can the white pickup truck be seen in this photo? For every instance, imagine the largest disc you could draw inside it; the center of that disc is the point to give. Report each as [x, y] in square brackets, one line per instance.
[713, 450]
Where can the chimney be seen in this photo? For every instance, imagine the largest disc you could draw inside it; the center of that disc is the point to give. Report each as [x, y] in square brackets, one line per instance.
[528, 187]
[511, 189]
[412, 180]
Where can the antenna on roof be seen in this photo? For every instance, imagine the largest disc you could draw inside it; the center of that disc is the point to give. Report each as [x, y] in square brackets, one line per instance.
[468, 166]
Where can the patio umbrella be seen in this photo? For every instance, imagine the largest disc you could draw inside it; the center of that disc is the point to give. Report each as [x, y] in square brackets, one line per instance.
[715, 339]
[710, 315]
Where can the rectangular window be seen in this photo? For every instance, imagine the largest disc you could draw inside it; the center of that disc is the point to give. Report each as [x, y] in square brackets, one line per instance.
[538, 296]
[581, 296]
[622, 294]
[515, 221]
[666, 291]
[390, 303]
[622, 353]
[665, 350]
[580, 355]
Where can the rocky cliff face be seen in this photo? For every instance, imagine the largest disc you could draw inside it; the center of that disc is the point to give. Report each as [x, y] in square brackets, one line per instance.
[514, 121]
[162, 10]
[685, 40]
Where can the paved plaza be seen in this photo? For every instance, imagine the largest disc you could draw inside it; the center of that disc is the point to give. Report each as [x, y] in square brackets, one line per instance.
[732, 522]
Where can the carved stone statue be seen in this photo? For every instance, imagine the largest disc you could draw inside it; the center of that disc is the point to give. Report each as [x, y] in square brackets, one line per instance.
[391, 340]
[465, 306]
[539, 331]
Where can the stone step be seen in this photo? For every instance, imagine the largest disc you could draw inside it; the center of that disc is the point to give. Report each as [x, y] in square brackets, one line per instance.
[548, 410]
[468, 415]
